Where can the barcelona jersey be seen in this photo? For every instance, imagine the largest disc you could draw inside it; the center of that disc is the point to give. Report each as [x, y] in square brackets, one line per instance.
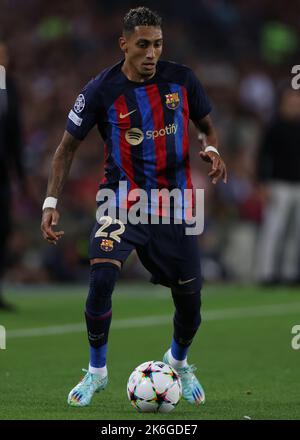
[144, 125]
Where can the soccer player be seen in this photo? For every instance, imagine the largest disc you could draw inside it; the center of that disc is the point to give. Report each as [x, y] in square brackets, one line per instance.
[142, 107]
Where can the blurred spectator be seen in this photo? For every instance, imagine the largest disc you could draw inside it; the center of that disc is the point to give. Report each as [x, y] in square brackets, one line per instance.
[257, 94]
[10, 159]
[278, 248]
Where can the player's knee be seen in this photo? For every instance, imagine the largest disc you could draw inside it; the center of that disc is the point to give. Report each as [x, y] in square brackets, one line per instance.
[188, 309]
[103, 278]
[190, 321]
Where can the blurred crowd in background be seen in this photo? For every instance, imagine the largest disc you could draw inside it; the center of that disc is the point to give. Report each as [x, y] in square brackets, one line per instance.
[242, 52]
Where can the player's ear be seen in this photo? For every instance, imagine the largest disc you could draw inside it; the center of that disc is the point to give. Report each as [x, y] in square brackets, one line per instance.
[123, 44]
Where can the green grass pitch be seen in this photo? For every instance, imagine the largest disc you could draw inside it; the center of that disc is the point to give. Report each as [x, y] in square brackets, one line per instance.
[243, 352]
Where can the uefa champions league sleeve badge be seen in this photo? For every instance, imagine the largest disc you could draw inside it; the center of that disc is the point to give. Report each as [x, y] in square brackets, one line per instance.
[79, 103]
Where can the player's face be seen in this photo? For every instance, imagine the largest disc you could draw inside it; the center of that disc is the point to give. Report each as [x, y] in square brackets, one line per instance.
[142, 49]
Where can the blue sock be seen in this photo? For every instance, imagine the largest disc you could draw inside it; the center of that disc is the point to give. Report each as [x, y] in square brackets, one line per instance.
[179, 352]
[98, 356]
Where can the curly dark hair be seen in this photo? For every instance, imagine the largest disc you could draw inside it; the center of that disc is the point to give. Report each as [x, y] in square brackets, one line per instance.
[140, 16]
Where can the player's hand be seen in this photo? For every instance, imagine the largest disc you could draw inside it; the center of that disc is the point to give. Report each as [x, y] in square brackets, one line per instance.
[218, 166]
[49, 219]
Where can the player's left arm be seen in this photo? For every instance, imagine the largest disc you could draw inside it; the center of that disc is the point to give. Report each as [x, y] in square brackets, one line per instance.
[218, 170]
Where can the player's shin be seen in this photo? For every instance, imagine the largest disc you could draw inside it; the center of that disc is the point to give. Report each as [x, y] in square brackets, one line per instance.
[98, 329]
[187, 319]
[98, 314]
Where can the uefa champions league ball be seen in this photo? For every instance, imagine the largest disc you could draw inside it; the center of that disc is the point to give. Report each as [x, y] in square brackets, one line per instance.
[154, 387]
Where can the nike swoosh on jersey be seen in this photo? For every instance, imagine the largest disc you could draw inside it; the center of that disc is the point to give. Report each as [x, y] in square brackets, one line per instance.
[127, 114]
[180, 282]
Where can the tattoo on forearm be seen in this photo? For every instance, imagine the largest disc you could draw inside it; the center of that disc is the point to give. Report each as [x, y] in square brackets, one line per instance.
[61, 165]
[206, 127]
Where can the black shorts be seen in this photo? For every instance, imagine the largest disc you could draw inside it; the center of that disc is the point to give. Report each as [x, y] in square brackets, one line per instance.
[171, 256]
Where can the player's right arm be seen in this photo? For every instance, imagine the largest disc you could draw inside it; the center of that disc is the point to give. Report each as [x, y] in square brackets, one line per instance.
[60, 167]
[81, 120]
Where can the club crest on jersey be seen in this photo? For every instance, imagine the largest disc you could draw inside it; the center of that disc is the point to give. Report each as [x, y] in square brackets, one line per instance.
[79, 103]
[107, 245]
[172, 100]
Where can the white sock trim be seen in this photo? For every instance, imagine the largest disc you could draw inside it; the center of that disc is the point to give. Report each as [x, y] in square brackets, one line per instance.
[101, 371]
[175, 362]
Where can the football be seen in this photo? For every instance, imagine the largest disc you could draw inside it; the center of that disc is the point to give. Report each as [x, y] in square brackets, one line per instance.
[154, 387]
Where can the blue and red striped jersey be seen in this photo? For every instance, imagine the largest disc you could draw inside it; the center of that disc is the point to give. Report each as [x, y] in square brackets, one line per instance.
[144, 125]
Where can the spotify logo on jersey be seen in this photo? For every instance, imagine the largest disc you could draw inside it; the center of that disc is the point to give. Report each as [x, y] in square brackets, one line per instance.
[134, 136]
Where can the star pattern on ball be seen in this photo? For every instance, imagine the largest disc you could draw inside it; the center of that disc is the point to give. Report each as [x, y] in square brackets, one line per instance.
[161, 397]
[148, 372]
[132, 395]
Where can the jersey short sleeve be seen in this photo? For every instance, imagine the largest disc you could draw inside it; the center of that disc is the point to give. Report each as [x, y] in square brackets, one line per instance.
[199, 104]
[83, 116]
